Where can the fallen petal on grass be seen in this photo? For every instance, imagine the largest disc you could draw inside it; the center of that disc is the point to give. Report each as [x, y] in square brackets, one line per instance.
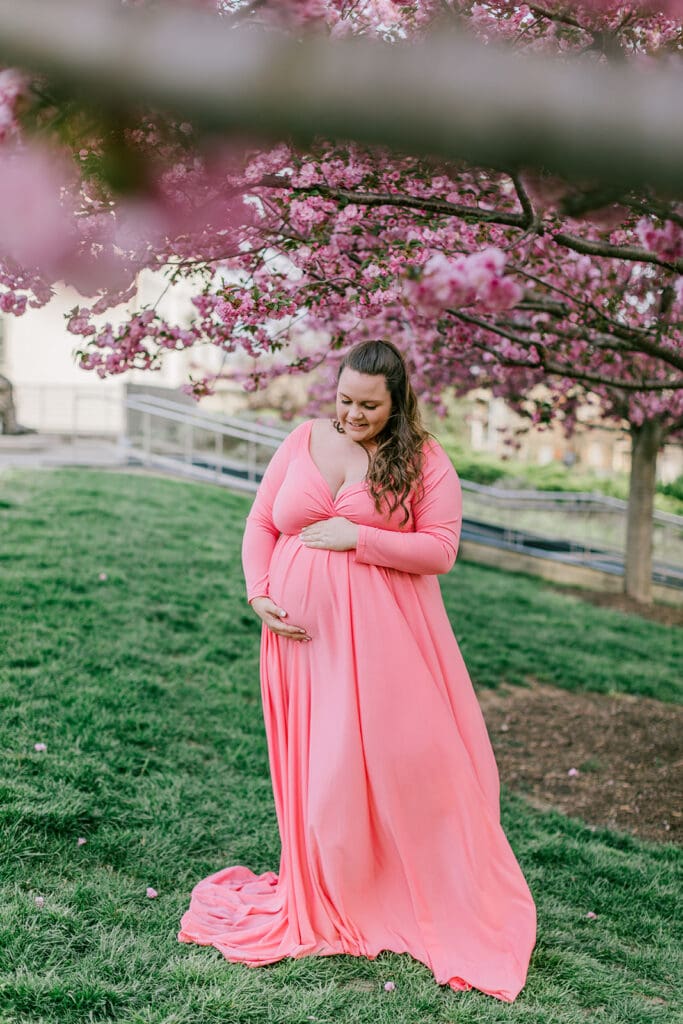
[39, 902]
[81, 841]
[389, 986]
[151, 893]
[40, 747]
[573, 772]
[591, 914]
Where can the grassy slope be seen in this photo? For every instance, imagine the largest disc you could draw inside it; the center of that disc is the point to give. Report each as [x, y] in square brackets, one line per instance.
[145, 689]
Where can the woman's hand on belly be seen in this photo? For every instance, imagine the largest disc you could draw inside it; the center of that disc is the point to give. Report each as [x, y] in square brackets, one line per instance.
[336, 534]
[272, 615]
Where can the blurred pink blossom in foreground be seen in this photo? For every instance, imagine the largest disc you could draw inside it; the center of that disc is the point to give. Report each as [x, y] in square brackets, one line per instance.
[12, 84]
[36, 225]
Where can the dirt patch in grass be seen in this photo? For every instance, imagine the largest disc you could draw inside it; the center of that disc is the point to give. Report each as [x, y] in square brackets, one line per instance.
[665, 614]
[612, 760]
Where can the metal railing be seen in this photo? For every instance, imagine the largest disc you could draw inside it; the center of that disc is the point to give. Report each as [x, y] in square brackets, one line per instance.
[577, 522]
[223, 449]
[580, 527]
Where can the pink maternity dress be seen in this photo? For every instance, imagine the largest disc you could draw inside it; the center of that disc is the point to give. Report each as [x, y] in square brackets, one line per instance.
[385, 783]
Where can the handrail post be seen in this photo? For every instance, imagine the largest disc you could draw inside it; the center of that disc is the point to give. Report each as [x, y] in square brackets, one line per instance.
[147, 435]
[218, 452]
[251, 461]
[189, 441]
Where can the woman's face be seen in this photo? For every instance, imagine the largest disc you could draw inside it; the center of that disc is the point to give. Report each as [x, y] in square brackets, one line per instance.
[363, 404]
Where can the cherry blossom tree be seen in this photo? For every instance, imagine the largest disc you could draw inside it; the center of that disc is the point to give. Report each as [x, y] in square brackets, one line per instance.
[506, 275]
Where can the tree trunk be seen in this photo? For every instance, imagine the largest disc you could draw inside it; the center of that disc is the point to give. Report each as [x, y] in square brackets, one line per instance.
[645, 442]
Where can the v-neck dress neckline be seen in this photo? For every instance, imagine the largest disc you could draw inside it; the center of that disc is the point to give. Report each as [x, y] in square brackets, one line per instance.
[342, 490]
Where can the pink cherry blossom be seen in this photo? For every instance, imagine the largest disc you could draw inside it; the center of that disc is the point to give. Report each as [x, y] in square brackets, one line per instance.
[667, 240]
[291, 253]
[459, 281]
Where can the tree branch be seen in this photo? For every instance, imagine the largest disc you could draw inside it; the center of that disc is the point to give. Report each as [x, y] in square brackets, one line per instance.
[650, 206]
[548, 366]
[564, 17]
[524, 200]
[473, 213]
[617, 338]
[621, 252]
[400, 199]
[448, 95]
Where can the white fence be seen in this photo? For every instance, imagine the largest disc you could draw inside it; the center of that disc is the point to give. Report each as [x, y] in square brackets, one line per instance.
[71, 410]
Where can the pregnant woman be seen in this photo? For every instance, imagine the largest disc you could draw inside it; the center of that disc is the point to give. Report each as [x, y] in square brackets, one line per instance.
[385, 783]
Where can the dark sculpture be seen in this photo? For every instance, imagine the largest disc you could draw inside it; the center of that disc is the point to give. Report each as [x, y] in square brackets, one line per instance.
[8, 414]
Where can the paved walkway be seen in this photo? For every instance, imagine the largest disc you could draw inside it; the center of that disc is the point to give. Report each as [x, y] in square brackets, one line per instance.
[44, 450]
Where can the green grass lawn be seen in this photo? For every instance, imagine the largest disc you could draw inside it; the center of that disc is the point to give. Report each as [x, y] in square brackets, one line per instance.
[144, 687]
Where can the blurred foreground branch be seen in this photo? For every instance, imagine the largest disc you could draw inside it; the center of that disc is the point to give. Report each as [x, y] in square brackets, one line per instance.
[449, 95]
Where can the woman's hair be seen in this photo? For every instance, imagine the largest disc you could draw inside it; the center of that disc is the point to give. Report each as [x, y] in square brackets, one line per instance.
[396, 463]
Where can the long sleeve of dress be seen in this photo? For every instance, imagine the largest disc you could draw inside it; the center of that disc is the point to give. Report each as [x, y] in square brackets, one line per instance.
[260, 533]
[432, 545]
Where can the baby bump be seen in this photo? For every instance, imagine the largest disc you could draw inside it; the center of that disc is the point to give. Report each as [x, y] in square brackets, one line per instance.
[311, 584]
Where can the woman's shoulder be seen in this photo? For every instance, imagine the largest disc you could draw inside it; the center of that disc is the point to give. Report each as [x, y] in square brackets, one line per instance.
[433, 450]
[436, 460]
[300, 430]
[309, 423]
[319, 423]
[300, 434]
[316, 426]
